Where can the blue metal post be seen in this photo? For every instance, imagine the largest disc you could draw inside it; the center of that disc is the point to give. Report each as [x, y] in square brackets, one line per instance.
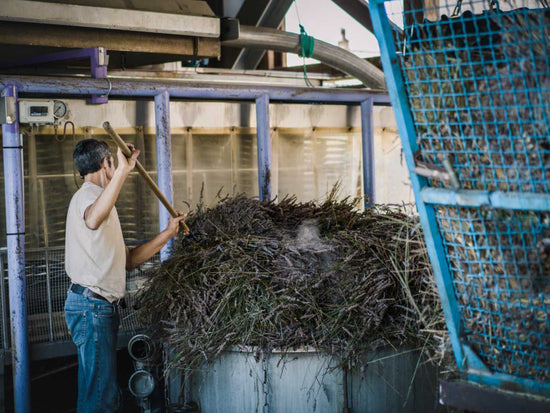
[164, 162]
[367, 137]
[405, 124]
[15, 232]
[264, 147]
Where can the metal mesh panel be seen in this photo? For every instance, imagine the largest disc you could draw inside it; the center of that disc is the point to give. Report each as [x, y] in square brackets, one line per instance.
[474, 114]
[47, 285]
[478, 84]
[500, 277]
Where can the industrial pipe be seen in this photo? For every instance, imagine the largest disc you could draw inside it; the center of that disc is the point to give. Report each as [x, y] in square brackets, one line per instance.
[141, 348]
[235, 35]
[15, 234]
[141, 384]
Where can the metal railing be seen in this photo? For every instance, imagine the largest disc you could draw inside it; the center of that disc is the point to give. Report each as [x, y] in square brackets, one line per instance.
[47, 285]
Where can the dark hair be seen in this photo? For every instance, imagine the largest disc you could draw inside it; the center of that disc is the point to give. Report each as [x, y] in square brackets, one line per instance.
[89, 154]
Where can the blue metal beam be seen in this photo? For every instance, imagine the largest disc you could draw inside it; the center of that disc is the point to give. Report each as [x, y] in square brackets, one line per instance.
[264, 147]
[181, 90]
[405, 124]
[496, 199]
[367, 138]
[15, 232]
[164, 163]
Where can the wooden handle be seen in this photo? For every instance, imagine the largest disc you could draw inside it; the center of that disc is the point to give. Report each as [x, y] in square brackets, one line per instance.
[148, 180]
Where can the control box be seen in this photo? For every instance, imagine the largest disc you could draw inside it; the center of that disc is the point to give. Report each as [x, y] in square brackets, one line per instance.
[36, 111]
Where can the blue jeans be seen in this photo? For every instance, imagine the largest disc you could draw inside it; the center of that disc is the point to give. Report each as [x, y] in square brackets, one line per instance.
[93, 324]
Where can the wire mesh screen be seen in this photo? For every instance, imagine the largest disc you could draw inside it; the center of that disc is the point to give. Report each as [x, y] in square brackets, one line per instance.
[47, 285]
[477, 82]
[500, 265]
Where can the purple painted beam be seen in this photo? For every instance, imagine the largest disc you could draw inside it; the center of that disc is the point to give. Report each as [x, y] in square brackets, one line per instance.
[182, 90]
[98, 63]
[15, 234]
[164, 163]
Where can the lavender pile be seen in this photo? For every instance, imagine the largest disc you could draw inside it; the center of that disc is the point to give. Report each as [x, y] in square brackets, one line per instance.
[287, 275]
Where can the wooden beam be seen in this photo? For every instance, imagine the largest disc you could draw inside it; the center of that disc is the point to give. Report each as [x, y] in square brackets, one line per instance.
[81, 37]
[108, 18]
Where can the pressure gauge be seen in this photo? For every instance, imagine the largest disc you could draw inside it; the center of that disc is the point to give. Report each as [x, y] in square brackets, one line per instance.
[59, 109]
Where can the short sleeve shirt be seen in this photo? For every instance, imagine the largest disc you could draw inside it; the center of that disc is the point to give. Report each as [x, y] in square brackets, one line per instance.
[95, 258]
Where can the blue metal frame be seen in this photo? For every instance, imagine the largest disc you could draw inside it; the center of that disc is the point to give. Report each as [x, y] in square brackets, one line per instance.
[367, 139]
[161, 91]
[405, 125]
[264, 147]
[164, 163]
[15, 231]
[178, 90]
[477, 198]
[426, 200]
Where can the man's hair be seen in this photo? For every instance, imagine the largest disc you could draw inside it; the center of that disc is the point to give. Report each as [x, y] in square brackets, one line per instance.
[89, 154]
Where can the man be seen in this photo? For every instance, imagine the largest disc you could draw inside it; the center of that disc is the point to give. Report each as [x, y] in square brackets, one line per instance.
[96, 260]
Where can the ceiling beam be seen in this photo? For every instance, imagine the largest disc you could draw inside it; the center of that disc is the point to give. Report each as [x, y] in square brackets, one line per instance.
[29, 34]
[359, 10]
[259, 13]
[108, 18]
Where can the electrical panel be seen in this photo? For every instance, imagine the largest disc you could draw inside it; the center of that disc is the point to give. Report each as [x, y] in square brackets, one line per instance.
[36, 111]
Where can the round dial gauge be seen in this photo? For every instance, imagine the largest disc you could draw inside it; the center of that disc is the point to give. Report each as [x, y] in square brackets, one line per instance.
[59, 109]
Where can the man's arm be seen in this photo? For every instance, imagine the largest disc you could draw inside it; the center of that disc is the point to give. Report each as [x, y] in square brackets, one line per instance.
[143, 252]
[96, 213]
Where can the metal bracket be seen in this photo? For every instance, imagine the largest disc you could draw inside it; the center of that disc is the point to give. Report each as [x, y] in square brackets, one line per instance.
[8, 110]
[99, 60]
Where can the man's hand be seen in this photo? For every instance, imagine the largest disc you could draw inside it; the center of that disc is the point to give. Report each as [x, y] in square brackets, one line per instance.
[127, 164]
[145, 251]
[174, 224]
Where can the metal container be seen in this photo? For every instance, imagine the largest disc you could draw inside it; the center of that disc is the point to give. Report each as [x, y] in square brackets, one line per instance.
[245, 381]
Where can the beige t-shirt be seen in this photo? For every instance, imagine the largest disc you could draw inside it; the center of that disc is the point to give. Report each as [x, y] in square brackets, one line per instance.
[95, 258]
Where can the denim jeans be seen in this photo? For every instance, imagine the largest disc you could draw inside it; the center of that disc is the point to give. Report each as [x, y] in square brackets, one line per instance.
[93, 324]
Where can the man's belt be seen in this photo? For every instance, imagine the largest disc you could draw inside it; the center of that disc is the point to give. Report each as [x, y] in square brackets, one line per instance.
[78, 289]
